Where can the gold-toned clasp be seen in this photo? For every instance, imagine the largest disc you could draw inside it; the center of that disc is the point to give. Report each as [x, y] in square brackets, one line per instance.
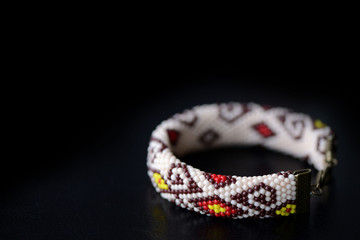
[331, 161]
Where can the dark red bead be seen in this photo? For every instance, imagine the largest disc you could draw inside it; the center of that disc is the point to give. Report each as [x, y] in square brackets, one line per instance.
[257, 187]
[250, 190]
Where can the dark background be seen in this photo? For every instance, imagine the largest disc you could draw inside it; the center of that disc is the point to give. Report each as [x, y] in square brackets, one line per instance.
[78, 167]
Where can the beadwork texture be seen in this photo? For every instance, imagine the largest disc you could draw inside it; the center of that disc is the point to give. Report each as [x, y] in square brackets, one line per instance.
[217, 125]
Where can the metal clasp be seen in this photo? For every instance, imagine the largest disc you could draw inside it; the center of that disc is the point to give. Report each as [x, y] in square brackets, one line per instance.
[331, 161]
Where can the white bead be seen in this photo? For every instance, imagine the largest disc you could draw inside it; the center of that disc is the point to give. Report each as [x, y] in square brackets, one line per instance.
[216, 192]
[268, 194]
[283, 200]
[251, 214]
[202, 178]
[293, 183]
[283, 189]
[182, 176]
[268, 199]
[272, 184]
[196, 179]
[281, 177]
[287, 180]
[227, 194]
[291, 176]
[276, 181]
[250, 196]
[206, 183]
[227, 199]
[262, 206]
[227, 188]
[262, 191]
[256, 204]
[288, 197]
[283, 195]
[239, 205]
[267, 209]
[233, 202]
[221, 195]
[244, 208]
[238, 190]
[293, 188]
[233, 186]
[232, 192]
[251, 201]
[288, 186]
[273, 205]
[288, 192]
[282, 184]
[179, 171]
[174, 171]
[250, 184]
[266, 182]
[277, 187]
[278, 203]
[256, 194]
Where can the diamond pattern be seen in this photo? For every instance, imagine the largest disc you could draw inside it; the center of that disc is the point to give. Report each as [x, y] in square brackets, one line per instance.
[264, 130]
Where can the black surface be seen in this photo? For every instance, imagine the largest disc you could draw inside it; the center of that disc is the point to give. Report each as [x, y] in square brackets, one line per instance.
[81, 172]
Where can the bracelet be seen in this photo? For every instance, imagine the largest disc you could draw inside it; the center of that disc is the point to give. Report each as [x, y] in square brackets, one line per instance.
[215, 125]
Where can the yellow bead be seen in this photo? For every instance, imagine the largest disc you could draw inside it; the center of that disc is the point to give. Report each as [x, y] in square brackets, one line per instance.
[217, 206]
[283, 209]
[216, 210]
[293, 207]
[282, 214]
[288, 206]
[278, 212]
[211, 207]
[222, 210]
[293, 211]
[319, 124]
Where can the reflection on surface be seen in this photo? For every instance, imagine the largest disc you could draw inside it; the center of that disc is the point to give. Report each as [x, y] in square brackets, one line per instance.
[170, 221]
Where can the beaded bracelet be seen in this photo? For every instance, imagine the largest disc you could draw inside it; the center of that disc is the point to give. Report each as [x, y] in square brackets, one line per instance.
[211, 126]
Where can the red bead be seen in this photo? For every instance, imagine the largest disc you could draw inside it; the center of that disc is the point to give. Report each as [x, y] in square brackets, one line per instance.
[222, 205]
[200, 204]
[213, 175]
[228, 213]
[223, 178]
[204, 203]
[210, 202]
[217, 179]
[222, 214]
[216, 201]
[288, 209]
[233, 211]
[227, 208]
[205, 207]
[217, 215]
[211, 211]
